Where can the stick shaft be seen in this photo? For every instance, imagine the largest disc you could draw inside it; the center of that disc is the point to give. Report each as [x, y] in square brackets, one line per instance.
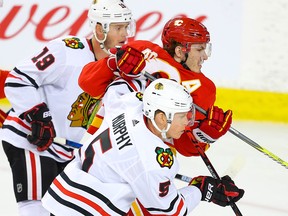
[68, 143]
[212, 170]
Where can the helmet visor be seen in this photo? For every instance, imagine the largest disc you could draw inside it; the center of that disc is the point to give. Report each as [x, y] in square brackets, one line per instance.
[131, 28]
[207, 49]
[191, 116]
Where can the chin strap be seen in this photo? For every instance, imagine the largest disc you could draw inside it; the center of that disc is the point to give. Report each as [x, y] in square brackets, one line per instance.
[102, 46]
[183, 63]
[163, 131]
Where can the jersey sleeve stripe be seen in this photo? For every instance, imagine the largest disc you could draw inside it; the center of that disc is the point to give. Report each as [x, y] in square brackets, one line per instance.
[32, 81]
[80, 198]
[67, 203]
[94, 193]
[173, 205]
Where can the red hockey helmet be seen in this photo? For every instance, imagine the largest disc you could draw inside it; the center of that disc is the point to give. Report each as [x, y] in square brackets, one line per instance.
[185, 31]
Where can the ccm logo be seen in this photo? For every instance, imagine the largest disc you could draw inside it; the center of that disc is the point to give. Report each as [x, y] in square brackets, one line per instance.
[209, 192]
[46, 114]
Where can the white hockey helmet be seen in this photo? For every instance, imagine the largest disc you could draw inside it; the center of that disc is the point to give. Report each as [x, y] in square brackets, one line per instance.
[106, 12]
[169, 97]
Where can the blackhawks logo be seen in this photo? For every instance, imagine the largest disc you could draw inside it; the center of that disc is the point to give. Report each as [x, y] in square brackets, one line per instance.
[74, 43]
[164, 157]
[82, 109]
[139, 95]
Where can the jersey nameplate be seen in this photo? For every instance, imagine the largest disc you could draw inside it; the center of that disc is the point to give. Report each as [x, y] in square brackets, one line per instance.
[120, 131]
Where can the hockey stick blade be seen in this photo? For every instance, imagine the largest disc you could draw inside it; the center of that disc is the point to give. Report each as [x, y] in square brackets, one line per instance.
[65, 142]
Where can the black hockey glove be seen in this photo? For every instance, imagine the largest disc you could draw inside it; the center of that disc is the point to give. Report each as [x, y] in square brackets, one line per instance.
[41, 125]
[217, 191]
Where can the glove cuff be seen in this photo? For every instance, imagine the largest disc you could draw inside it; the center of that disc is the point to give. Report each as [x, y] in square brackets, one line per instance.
[39, 112]
[202, 136]
[111, 63]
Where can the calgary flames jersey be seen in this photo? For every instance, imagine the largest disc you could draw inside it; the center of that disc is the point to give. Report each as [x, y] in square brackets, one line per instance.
[3, 75]
[96, 76]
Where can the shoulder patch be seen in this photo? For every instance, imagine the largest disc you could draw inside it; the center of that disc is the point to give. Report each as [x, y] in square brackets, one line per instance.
[164, 157]
[73, 43]
[139, 95]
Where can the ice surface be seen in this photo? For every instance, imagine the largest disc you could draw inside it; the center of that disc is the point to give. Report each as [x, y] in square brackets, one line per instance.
[265, 181]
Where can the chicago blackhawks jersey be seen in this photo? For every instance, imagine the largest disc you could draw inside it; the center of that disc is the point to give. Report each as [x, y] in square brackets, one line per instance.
[50, 76]
[121, 161]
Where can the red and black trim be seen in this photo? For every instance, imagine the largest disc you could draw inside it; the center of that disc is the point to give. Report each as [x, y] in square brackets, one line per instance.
[81, 198]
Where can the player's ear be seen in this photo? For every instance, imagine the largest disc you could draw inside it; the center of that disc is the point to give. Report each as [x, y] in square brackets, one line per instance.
[178, 54]
[161, 120]
[99, 31]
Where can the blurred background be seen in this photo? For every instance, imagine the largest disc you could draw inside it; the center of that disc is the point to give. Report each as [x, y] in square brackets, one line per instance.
[248, 65]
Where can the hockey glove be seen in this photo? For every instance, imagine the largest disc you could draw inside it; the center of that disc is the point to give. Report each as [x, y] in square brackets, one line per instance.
[217, 191]
[41, 125]
[128, 61]
[215, 125]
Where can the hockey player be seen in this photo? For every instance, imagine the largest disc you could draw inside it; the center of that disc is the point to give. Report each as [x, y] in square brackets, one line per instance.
[117, 165]
[185, 48]
[47, 102]
[3, 75]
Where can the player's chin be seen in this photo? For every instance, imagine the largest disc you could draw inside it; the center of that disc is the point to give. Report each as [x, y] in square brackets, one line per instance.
[178, 135]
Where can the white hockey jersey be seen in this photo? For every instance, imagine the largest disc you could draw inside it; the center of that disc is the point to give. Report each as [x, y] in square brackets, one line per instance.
[121, 161]
[50, 76]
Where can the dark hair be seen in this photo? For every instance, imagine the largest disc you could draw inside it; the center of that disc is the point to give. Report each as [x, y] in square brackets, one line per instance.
[171, 48]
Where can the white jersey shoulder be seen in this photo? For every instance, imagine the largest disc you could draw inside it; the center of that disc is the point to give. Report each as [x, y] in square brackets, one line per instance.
[51, 76]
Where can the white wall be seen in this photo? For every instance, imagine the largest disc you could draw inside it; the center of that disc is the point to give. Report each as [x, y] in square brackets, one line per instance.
[265, 45]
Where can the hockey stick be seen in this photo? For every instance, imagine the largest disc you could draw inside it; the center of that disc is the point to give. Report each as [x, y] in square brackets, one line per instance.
[65, 142]
[211, 169]
[238, 134]
[183, 178]
[250, 142]
[233, 169]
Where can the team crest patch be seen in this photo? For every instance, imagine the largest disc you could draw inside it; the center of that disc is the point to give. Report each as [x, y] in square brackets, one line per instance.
[73, 43]
[82, 109]
[164, 157]
[139, 95]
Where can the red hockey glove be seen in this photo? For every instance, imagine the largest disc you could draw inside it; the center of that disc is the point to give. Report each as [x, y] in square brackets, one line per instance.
[41, 125]
[128, 61]
[215, 125]
[217, 191]
[3, 116]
